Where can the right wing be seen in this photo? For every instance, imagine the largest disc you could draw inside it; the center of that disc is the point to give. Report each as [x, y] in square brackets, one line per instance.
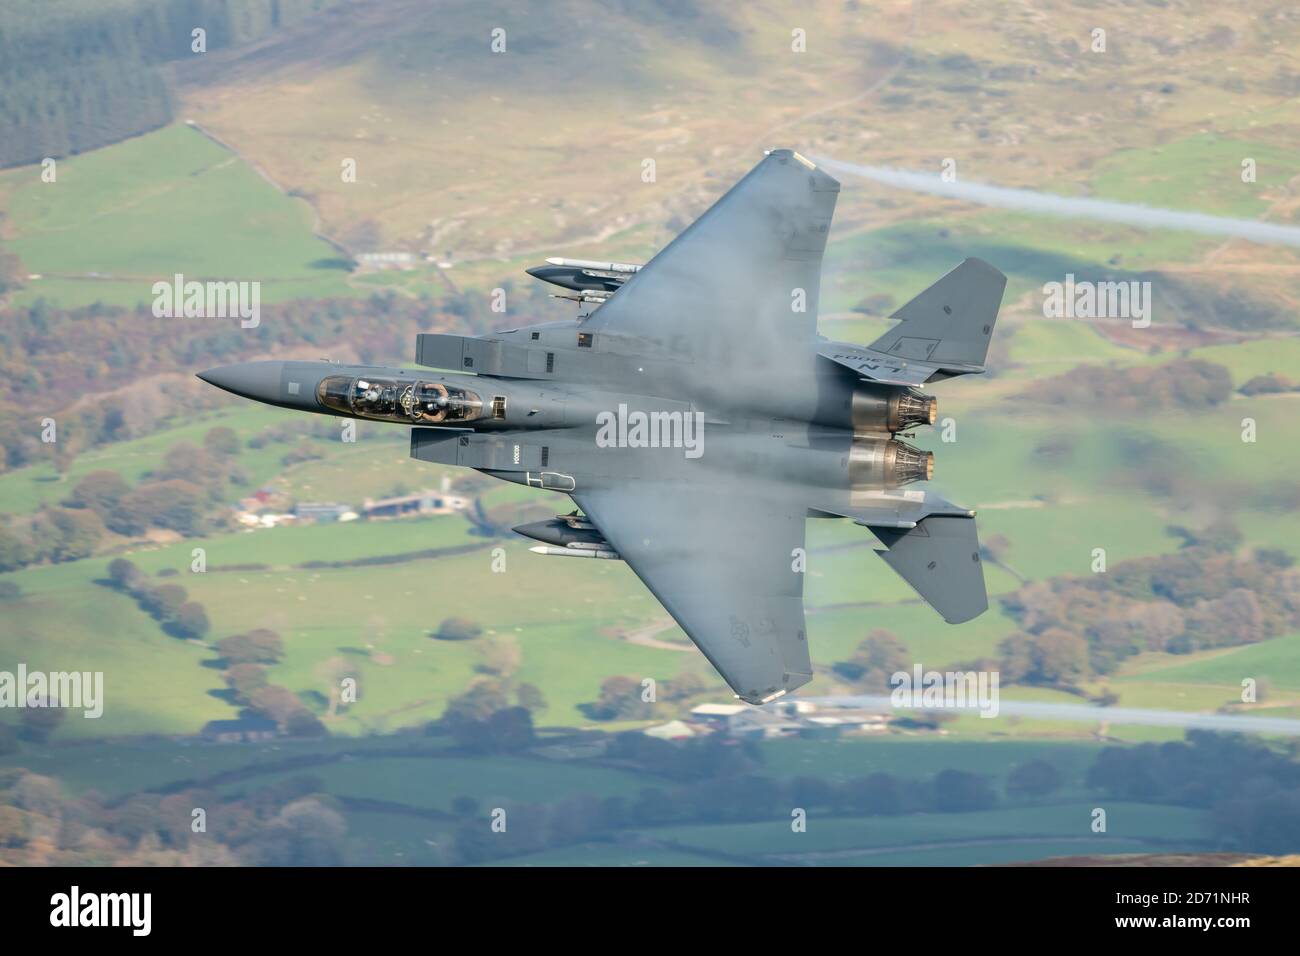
[721, 563]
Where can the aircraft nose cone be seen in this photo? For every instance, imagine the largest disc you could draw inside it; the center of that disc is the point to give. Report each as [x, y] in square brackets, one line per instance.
[259, 381]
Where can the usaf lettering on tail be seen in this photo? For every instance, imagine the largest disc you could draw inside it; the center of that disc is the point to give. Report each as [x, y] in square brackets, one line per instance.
[783, 424]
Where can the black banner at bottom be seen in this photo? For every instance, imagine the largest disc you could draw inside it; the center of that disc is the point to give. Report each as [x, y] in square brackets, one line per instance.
[739, 906]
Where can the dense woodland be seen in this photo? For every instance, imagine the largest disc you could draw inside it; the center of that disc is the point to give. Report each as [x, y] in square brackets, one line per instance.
[1188, 384]
[76, 75]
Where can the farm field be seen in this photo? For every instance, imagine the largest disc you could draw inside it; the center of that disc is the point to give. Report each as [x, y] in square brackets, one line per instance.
[841, 835]
[164, 203]
[398, 792]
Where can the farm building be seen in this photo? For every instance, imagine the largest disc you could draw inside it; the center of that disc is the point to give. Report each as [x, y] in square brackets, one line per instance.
[243, 730]
[322, 511]
[421, 502]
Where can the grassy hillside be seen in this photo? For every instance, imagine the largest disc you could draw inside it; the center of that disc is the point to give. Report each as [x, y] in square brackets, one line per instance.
[121, 218]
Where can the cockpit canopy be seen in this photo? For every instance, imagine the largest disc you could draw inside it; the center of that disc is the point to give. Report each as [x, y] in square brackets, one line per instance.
[387, 400]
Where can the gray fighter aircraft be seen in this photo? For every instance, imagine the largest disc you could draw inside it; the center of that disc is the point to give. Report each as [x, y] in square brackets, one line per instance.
[696, 418]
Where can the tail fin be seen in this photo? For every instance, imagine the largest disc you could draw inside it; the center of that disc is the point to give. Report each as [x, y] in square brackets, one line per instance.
[950, 323]
[940, 559]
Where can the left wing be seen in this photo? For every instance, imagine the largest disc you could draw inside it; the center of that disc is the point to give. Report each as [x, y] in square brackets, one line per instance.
[722, 564]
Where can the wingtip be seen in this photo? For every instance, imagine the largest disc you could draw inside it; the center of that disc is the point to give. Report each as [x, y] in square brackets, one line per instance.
[784, 152]
[986, 265]
[961, 617]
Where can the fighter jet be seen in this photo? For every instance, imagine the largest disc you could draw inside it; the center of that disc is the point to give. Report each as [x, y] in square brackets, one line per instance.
[697, 419]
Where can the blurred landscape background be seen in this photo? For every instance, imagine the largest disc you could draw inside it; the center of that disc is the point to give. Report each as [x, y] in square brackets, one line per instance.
[229, 568]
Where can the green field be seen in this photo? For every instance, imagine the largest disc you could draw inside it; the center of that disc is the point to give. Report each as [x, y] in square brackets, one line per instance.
[24, 489]
[433, 783]
[399, 792]
[827, 838]
[120, 218]
[1200, 172]
[917, 757]
[151, 683]
[1277, 662]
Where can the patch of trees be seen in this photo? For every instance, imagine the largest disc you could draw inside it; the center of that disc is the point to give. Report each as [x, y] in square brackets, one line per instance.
[878, 657]
[258, 646]
[508, 730]
[683, 760]
[52, 534]
[1213, 305]
[627, 698]
[168, 604]
[1252, 790]
[212, 469]
[1034, 778]
[1269, 384]
[1202, 596]
[178, 496]
[1189, 384]
[20, 429]
[12, 271]
[35, 726]
[457, 629]
[493, 715]
[290, 822]
[86, 75]
[251, 689]
[172, 503]
[245, 658]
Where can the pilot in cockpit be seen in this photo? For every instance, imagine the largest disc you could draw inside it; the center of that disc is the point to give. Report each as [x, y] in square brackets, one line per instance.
[432, 402]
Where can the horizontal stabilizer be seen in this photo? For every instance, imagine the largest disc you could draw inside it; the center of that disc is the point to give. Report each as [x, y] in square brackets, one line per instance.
[877, 366]
[894, 508]
[940, 559]
[949, 325]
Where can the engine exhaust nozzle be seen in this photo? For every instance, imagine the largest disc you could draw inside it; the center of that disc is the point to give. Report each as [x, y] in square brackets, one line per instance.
[887, 463]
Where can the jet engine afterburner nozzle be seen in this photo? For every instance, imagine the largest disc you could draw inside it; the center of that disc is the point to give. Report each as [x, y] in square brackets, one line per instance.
[912, 408]
[879, 463]
[909, 464]
[879, 409]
